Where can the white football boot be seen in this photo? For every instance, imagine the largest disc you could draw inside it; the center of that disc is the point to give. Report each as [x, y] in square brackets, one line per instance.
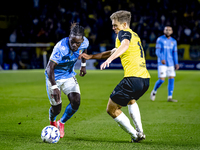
[153, 96]
[140, 136]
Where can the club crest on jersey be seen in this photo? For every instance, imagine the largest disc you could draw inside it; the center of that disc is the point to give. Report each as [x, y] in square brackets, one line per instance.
[80, 51]
[57, 55]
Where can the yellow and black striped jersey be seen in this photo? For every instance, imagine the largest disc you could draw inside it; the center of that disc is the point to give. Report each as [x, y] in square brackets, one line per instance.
[133, 59]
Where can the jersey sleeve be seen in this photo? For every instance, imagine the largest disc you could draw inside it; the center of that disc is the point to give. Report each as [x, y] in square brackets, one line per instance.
[175, 53]
[159, 49]
[56, 54]
[124, 35]
[84, 45]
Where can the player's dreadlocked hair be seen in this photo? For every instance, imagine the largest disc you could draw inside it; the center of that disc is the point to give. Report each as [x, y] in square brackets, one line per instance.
[76, 29]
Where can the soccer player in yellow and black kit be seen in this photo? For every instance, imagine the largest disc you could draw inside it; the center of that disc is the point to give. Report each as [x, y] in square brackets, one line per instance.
[136, 77]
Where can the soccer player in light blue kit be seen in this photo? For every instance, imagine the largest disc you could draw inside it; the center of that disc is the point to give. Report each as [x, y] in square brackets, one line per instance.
[166, 51]
[60, 75]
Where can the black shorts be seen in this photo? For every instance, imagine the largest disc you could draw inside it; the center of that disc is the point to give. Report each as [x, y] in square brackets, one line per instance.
[128, 89]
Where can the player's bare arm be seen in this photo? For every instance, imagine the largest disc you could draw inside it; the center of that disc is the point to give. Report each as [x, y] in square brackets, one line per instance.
[122, 48]
[103, 55]
[83, 65]
[50, 71]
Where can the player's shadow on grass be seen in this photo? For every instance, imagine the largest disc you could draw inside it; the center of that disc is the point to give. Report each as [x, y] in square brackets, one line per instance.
[98, 140]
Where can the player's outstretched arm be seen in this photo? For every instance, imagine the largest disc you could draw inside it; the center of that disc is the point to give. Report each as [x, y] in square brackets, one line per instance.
[103, 55]
[121, 49]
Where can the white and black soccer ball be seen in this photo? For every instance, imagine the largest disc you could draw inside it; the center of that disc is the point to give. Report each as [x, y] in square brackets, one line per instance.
[50, 134]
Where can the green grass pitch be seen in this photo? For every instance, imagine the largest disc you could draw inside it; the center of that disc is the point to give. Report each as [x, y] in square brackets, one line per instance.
[24, 109]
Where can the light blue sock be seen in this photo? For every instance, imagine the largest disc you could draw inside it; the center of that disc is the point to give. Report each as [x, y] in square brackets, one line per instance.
[52, 117]
[170, 86]
[69, 111]
[158, 84]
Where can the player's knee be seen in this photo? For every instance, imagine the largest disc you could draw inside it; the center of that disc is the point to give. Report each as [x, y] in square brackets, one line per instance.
[74, 100]
[162, 79]
[113, 109]
[109, 111]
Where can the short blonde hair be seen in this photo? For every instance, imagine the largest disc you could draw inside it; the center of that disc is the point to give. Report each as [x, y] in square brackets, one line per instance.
[122, 16]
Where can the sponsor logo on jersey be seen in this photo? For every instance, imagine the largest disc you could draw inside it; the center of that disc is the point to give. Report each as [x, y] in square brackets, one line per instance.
[125, 34]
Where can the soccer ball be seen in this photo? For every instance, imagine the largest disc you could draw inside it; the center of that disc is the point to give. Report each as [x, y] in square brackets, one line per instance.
[50, 134]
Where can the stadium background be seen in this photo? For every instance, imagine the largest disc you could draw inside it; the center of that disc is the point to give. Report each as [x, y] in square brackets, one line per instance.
[24, 102]
[47, 21]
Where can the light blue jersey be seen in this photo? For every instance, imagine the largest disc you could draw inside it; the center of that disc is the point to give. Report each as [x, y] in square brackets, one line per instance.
[166, 49]
[66, 58]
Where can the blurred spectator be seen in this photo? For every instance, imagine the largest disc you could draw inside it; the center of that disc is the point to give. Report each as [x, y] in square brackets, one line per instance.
[36, 4]
[49, 20]
[25, 58]
[152, 37]
[21, 37]
[196, 39]
[187, 35]
[13, 37]
[42, 35]
[60, 33]
[144, 36]
[12, 59]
